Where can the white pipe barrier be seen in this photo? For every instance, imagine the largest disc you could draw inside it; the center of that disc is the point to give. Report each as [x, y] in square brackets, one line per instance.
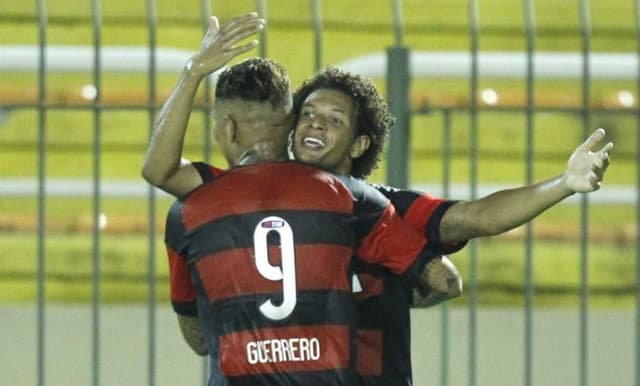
[496, 64]
[437, 64]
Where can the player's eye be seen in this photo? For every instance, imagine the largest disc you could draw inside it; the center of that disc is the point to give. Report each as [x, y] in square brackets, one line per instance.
[335, 121]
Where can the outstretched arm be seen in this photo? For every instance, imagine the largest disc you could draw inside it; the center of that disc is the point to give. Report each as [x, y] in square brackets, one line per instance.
[510, 208]
[163, 165]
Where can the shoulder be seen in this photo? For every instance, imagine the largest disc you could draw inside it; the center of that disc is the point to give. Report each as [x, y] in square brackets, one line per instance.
[363, 192]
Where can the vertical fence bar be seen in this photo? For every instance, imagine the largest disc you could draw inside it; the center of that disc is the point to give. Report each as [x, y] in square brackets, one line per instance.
[398, 31]
[42, 174]
[316, 15]
[446, 184]
[399, 105]
[97, 239]
[530, 25]
[206, 11]
[473, 174]
[585, 28]
[637, 21]
[151, 261]
[261, 5]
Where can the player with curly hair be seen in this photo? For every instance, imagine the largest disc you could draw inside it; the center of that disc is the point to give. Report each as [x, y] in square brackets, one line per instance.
[333, 131]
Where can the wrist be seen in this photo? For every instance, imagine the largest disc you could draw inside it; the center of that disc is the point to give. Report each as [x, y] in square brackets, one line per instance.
[191, 70]
[565, 185]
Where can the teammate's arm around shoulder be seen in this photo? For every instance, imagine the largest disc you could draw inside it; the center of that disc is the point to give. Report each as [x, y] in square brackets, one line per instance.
[440, 281]
[163, 165]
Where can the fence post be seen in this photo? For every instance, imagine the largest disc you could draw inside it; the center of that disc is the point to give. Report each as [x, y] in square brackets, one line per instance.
[637, 294]
[42, 174]
[585, 27]
[206, 11]
[316, 15]
[398, 97]
[97, 237]
[262, 12]
[530, 26]
[474, 30]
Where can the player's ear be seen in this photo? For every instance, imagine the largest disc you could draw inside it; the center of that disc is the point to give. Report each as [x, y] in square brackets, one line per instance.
[359, 146]
[230, 127]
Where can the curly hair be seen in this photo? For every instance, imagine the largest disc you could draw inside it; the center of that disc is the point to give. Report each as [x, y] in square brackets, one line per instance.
[256, 80]
[372, 116]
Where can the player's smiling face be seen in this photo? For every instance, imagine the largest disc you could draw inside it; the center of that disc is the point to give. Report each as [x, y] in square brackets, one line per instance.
[324, 133]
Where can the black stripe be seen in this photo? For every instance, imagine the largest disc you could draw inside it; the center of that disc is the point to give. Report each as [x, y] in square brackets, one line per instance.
[185, 308]
[402, 199]
[174, 235]
[433, 231]
[369, 204]
[231, 232]
[308, 378]
[312, 308]
[205, 171]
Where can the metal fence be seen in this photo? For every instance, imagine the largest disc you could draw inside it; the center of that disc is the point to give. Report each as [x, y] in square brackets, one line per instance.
[401, 61]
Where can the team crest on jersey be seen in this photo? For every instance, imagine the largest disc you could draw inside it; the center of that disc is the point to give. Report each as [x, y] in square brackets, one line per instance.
[272, 224]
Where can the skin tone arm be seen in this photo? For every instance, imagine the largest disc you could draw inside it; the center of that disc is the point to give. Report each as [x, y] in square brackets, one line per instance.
[510, 208]
[192, 334]
[163, 165]
[440, 281]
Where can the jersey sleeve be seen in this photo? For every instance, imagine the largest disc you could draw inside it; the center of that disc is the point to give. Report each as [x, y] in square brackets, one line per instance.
[207, 172]
[424, 213]
[385, 239]
[182, 291]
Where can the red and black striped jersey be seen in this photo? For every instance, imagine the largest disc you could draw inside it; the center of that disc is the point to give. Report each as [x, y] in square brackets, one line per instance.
[268, 249]
[383, 305]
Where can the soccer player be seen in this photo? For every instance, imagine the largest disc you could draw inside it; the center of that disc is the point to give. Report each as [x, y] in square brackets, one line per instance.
[359, 150]
[340, 127]
[163, 168]
[266, 247]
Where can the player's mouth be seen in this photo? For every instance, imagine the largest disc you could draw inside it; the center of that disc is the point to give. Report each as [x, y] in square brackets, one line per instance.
[312, 143]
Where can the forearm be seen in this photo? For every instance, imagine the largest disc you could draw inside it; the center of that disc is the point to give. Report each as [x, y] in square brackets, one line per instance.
[192, 334]
[164, 153]
[501, 211]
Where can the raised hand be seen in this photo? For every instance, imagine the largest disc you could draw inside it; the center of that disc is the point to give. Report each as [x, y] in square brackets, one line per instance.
[220, 44]
[587, 166]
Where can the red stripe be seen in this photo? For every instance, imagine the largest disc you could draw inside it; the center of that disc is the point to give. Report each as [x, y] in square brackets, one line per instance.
[182, 289]
[310, 348]
[369, 360]
[233, 273]
[216, 171]
[392, 243]
[275, 186]
[421, 210]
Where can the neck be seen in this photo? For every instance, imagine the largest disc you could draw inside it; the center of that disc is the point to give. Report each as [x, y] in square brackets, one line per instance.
[259, 153]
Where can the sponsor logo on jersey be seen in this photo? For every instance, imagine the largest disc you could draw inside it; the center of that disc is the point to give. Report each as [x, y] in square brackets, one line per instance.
[272, 224]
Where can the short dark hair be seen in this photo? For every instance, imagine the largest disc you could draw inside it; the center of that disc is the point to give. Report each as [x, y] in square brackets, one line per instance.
[255, 80]
[372, 116]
